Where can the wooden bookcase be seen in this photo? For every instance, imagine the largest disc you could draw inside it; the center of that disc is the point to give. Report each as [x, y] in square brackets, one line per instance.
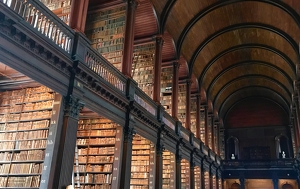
[25, 117]
[185, 174]
[214, 182]
[182, 103]
[193, 115]
[206, 180]
[105, 29]
[202, 125]
[142, 164]
[169, 174]
[62, 8]
[142, 67]
[98, 143]
[209, 127]
[166, 88]
[197, 173]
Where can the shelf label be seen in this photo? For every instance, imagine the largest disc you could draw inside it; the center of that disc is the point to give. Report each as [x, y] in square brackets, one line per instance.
[49, 142]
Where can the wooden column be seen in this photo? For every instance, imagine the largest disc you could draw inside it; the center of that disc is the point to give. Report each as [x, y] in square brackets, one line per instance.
[198, 116]
[206, 125]
[159, 161]
[129, 38]
[297, 125]
[242, 181]
[65, 161]
[202, 174]
[175, 90]
[157, 69]
[188, 105]
[128, 133]
[178, 167]
[78, 15]
[192, 171]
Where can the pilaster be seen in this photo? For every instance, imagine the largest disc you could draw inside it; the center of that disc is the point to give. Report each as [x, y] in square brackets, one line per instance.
[157, 68]
[67, 145]
[188, 105]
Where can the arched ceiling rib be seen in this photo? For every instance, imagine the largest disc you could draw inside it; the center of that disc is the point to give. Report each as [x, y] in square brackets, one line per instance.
[247, 92]
[240, 54]
[253, 81]
[236, 48]
[241, 37]
[245, 69]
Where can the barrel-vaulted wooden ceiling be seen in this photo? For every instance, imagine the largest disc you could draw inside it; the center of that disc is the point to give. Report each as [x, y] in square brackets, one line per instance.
[235, 49]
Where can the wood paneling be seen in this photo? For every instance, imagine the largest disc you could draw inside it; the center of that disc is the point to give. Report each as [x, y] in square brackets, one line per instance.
[255, 112]
[251, 82]
[244, 70]
[247, 93]
[168, 51]
[239, 37]
[145, 22]
[246, 55]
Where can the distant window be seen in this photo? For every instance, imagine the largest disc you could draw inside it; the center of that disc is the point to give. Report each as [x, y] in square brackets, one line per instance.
[282, 147]
[232, 148]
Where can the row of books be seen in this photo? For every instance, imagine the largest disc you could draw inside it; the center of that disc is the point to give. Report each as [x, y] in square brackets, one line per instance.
[29, 125]
[25, 116]
[23, 135]
[96, 141]
[28, 181]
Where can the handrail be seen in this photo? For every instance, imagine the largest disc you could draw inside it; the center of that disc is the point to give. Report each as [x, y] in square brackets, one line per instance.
[104, 69]
[169, 121]
[145, 101]
[44, 21]
[259, 163]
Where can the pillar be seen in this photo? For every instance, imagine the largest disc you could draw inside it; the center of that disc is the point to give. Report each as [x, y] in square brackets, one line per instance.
[188, 105]
[78, 15]
[68, 136]
[198, 116]
[175, 90]
[202, 174]
[192, 170]
[242, 181]
[129, 38]
[275, 183]
[157, 69]
[178, 167]
[128, 133]
[159, 161]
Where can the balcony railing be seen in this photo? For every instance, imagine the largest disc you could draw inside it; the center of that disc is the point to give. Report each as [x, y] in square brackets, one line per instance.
[44, 21]
[286, 163]
[104, 69]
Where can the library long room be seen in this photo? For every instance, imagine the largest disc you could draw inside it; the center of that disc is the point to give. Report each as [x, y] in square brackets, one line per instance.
[149, 94]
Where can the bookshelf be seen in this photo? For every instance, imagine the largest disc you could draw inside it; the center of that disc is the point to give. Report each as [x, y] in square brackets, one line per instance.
[202, 125]
[185, 174]
[214, 182]
[142, 67]
[216, 134]
[98, 148]
[193, 115]
[209, 127]
[169, 175]
[197, 171]
[105, 29]
[182, 103]
[62, 8]
[206, 180]
[166, 89]
[25, 117]
[142, 164]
